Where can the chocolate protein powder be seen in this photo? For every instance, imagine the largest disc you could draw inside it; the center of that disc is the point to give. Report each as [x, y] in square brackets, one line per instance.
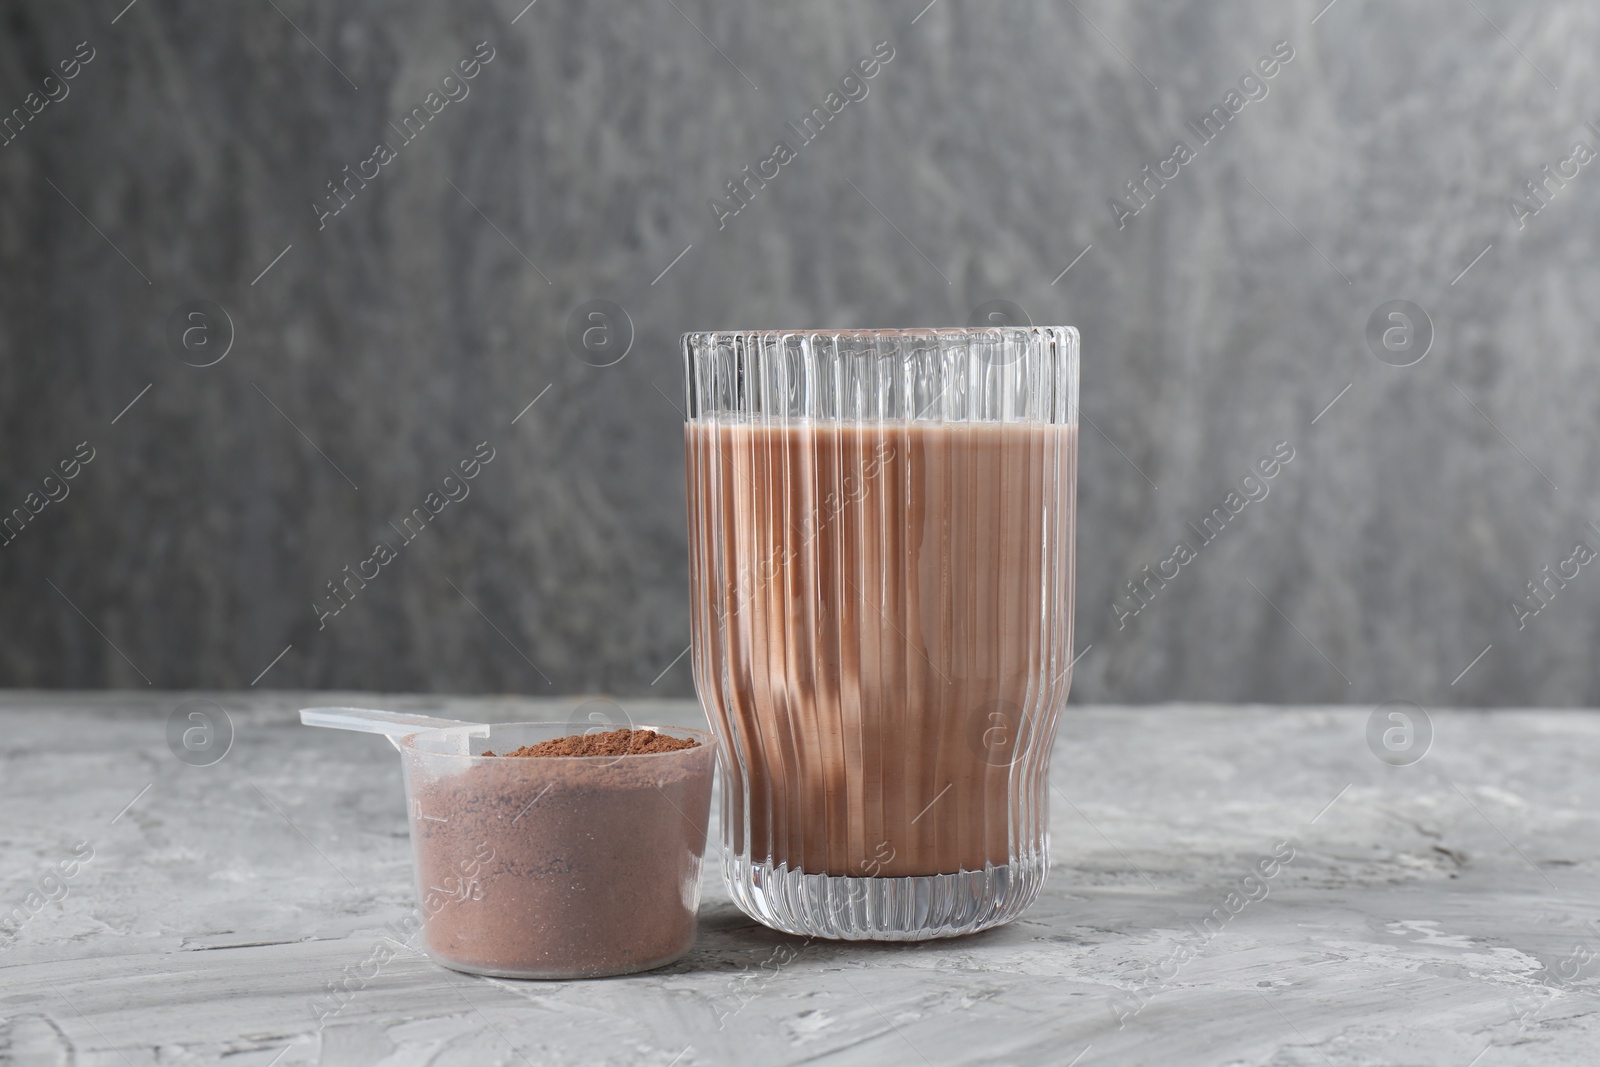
[610, 743]
[531, 865]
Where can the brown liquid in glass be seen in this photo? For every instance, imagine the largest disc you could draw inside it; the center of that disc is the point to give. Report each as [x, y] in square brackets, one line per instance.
[883, 619]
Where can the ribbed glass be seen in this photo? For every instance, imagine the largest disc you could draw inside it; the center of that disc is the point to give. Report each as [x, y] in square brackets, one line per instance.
[881, 533]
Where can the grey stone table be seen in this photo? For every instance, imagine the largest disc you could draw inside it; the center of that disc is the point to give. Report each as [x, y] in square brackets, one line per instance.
[1231, 886]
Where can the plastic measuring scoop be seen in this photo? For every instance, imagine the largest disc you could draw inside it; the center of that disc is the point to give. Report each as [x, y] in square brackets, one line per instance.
[554, 867]
[391, 724]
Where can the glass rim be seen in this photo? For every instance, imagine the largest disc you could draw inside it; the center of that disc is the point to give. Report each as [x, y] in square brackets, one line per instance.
[953, 332]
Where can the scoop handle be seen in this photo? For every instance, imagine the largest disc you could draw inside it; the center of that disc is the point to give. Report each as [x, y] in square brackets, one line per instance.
[391, 724]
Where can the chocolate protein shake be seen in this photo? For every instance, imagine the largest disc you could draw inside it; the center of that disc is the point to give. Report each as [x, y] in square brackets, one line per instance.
[875, 608]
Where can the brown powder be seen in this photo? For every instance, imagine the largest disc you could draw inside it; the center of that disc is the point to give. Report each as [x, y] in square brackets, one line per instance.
[546, 868]
[610, 743]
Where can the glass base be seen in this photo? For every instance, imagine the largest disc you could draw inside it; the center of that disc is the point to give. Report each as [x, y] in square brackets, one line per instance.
[916, 908]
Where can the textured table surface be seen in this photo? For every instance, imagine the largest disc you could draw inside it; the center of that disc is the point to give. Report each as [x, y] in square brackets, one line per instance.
[1439, 913]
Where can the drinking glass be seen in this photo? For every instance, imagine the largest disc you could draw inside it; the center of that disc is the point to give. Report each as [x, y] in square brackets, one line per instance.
[881, 537]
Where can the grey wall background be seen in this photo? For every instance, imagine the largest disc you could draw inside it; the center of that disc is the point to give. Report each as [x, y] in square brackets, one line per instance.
[378, 351]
